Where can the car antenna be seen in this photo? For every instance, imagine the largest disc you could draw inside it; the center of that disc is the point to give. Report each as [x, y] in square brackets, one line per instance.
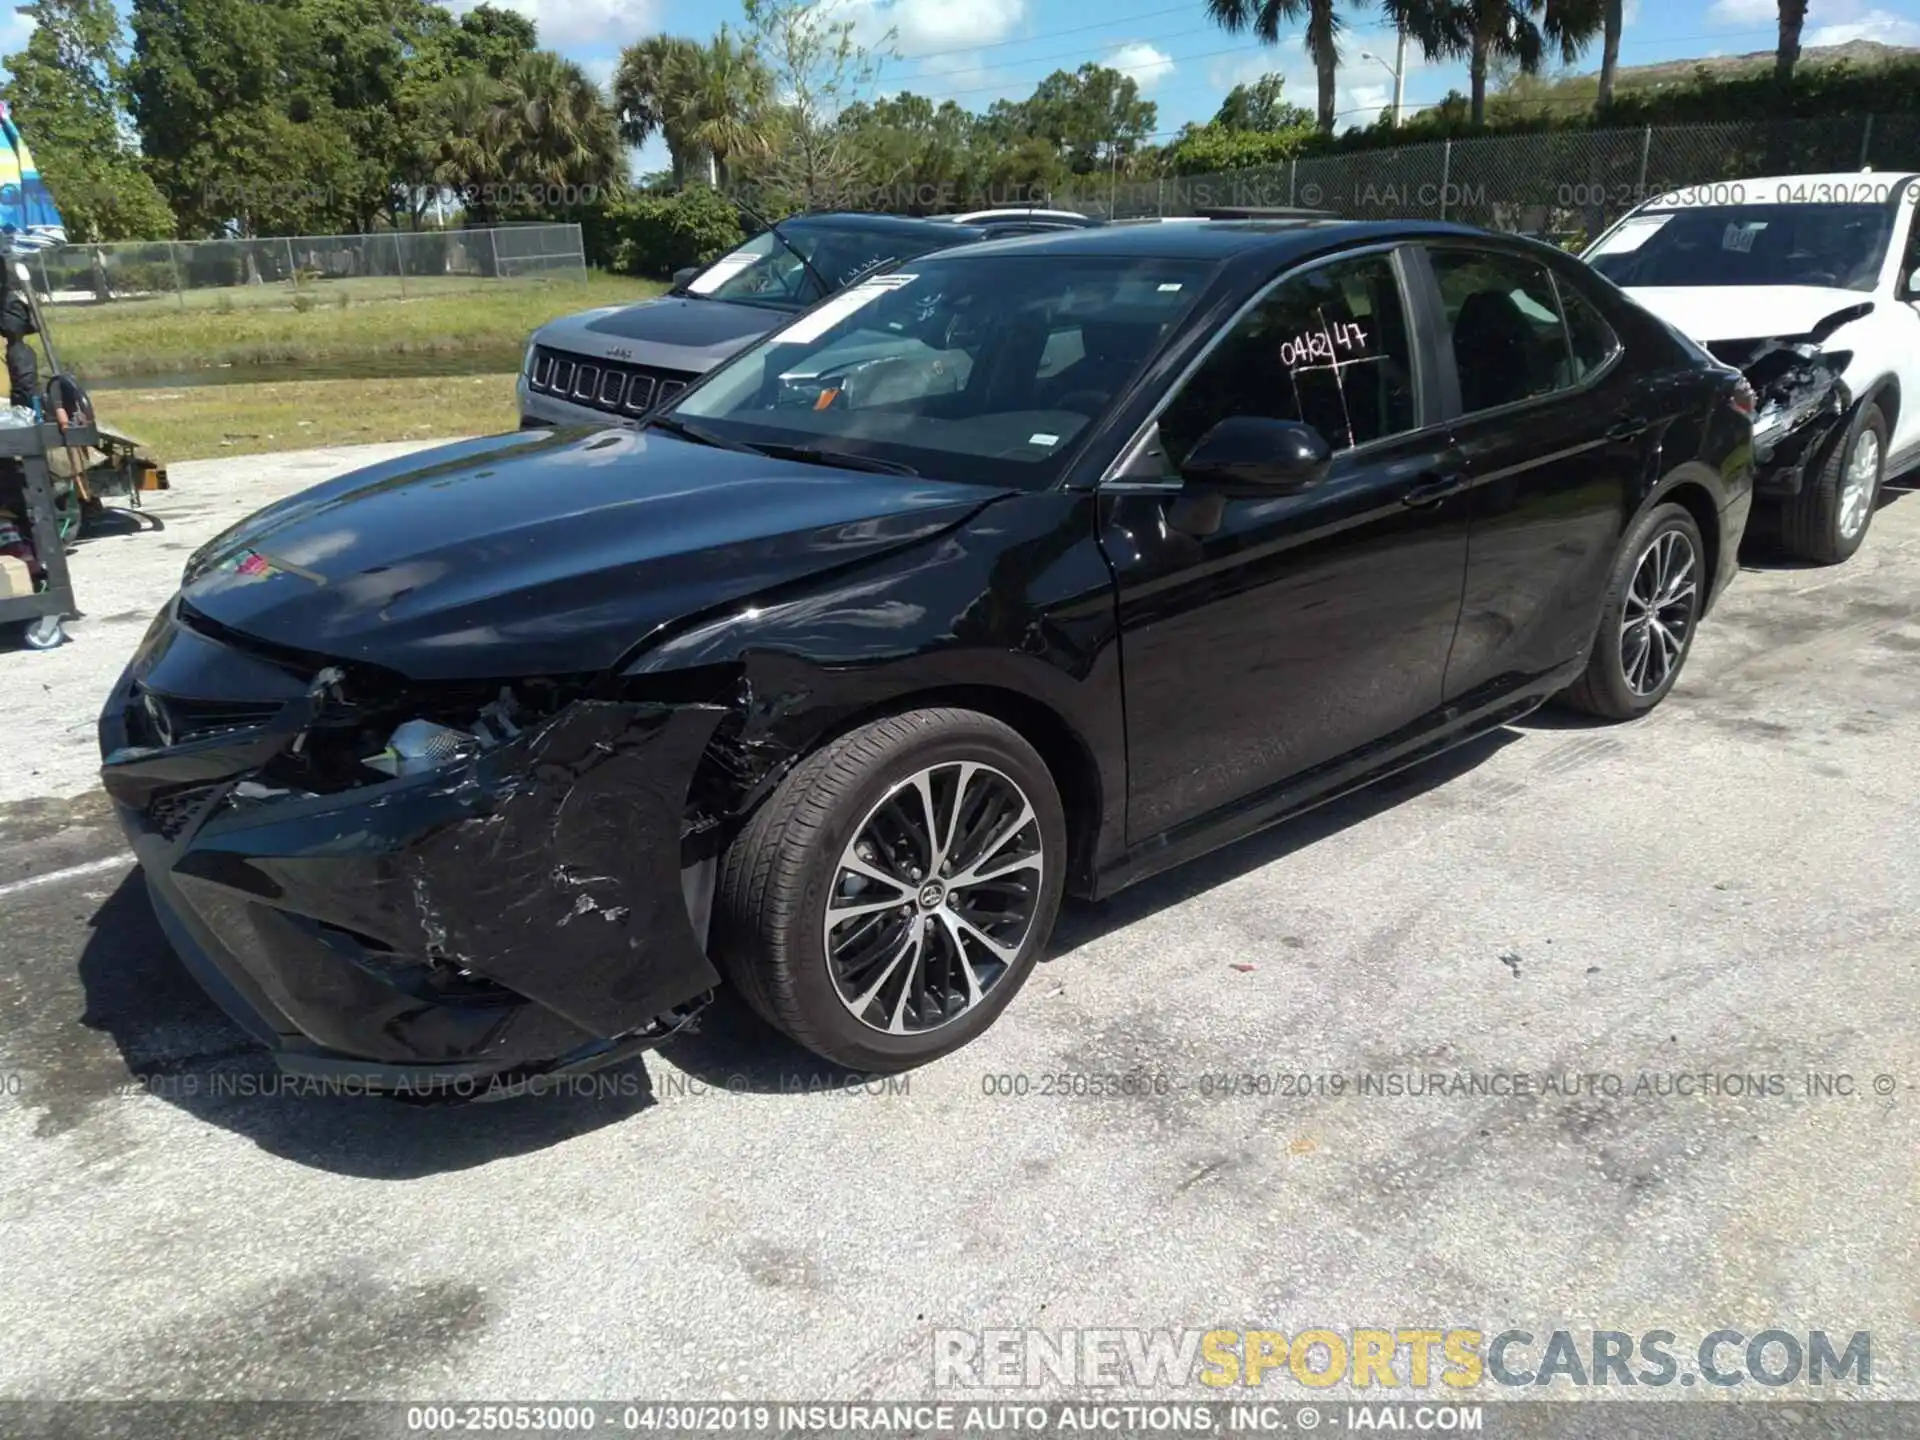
[792, 249]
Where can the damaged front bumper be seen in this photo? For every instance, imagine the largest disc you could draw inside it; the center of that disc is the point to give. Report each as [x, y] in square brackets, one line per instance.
[517, 914]
[1800, 405]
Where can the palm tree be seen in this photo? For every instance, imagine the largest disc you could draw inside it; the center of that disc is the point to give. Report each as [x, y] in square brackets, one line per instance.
[1264, 18]
[1513, 32]
[648, 93]
[556, 129]
[469, 158]
[1793, 15]
[1612, 21]
[723, 103]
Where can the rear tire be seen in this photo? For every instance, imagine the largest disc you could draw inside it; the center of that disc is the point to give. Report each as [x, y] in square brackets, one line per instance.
[1827, 521]
[944, 895]
[1647, 618]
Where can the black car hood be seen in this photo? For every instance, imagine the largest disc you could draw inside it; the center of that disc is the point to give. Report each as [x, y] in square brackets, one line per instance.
[545, 553]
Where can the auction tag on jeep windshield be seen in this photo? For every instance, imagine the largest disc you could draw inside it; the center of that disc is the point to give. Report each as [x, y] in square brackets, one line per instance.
[718, 273]
[818, 321]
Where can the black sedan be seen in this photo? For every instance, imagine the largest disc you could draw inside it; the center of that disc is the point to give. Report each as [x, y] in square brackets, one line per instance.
[1029, 569]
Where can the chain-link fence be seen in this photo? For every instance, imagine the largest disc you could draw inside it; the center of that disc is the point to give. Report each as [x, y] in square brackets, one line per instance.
[1565, 185]
[303, 271]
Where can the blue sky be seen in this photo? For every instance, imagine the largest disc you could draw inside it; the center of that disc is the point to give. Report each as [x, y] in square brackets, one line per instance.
[976, 51]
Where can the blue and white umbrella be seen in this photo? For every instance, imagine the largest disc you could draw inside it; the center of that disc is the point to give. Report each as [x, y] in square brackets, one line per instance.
[29, 220]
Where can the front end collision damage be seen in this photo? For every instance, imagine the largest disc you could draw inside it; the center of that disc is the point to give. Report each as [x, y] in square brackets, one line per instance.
[1801, 400]
[521, 911]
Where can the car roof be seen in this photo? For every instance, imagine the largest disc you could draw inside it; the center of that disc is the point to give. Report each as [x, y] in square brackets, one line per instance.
[879, 224]
[1219, 240]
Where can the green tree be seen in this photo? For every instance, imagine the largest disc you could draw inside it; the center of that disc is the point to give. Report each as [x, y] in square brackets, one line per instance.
[1515, 34]
[1091, 116]
[722, 105]
[649, 90]
[817, 68]
[555, 132]
[919, 157]
[68, 91]
[470, 156]
[485, 38]
[1264, 18]
[1260, 107]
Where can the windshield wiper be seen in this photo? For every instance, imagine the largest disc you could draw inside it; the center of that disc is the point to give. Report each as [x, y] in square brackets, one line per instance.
[814, 455]
[792, 249]
[699, 434]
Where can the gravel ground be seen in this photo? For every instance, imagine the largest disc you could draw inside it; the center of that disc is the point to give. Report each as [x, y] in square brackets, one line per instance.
[1725, 888]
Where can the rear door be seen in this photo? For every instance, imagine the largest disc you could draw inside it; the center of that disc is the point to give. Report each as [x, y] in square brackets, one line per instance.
[1554, 432]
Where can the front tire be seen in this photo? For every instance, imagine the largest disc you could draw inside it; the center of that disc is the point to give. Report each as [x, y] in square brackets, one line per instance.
[1827, 521]
[893, 894]
[1647, 619]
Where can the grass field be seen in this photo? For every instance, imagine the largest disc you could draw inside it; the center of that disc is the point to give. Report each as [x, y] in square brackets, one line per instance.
[159, 338]
[194, 423]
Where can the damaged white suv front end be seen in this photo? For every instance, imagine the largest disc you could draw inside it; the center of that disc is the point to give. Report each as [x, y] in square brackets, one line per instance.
[1810, 286]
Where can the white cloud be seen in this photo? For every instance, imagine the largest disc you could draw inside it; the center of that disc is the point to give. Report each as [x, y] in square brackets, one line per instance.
[1881, 25]
[562, 23]
[1225, 73]
[1147, 64]
[1629, 13]
[933, 27]
[1361, 104]
[1743, 12]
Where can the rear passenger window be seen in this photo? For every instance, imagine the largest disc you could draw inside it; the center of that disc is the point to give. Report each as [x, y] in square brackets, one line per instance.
[1592, 339]
[1509, 338]
[1328, 348]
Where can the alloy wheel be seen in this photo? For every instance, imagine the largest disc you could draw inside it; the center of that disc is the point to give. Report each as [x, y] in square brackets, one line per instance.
[1659, 611]
[933, 897]
[1857, 487]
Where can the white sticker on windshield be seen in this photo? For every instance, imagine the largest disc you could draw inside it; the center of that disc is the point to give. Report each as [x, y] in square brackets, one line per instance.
[718, 273]
[1169, 287]
[824, 317]
[1043, 439]
[1631, 235]
[1740, 236]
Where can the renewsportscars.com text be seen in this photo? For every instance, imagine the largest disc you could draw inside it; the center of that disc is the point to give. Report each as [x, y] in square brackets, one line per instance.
[1408, 1357]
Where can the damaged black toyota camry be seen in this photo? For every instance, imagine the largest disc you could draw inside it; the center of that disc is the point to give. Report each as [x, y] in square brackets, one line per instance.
[1028, 570]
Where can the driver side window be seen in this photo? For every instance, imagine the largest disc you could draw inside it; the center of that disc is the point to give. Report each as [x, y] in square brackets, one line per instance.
[1327, 348]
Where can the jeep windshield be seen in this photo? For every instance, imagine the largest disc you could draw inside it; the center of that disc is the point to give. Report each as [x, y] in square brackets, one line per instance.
[766, 272]
[973, 367]
[1840, 247]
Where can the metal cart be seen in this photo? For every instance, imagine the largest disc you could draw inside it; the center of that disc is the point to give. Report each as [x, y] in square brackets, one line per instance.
[40, 616]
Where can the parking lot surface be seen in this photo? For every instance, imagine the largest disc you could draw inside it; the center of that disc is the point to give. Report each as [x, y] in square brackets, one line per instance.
[1727, 889]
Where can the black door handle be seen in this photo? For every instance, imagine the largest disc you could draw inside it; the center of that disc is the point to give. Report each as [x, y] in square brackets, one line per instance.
[1627, 428]
[1435, 490]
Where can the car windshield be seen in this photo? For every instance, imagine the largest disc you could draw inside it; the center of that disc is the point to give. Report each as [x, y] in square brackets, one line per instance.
[765, 272]
[1838, 246]
[973, 367]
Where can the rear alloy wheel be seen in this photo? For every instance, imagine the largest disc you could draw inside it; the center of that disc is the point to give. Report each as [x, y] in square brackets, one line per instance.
[1828, 519]
[1647, 621]
[893, 894]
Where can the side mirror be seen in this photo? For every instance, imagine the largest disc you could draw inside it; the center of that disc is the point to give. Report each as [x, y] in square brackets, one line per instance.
[1249, 455]
[683, 275]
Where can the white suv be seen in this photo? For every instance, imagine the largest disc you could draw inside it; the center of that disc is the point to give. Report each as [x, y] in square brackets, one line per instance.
[1810, 285]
